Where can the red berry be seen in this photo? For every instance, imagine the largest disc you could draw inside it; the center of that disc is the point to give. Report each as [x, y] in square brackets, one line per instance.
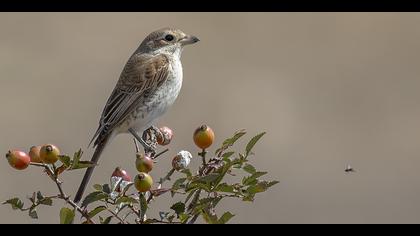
[166, 137]
[203, 137]
[18, 159]
[144, 163]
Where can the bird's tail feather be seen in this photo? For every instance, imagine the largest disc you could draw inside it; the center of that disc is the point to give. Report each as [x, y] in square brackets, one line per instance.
[98, 151]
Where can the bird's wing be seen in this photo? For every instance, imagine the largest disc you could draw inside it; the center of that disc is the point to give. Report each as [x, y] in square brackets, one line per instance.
[142, 75]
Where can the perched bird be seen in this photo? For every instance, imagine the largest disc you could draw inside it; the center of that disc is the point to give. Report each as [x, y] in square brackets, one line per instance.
[148, 85]
[349, 169]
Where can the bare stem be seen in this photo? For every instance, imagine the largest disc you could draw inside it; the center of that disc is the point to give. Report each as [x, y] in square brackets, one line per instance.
[136, 145]
[116, 216]
[160, 153]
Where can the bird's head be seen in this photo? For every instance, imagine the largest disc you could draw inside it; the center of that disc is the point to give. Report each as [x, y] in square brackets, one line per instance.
[166, 40]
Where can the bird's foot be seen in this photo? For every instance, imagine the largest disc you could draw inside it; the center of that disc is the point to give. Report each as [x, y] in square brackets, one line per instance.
[148, 148]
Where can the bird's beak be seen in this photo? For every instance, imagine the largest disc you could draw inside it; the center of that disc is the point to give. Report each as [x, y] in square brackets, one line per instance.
[189, 39]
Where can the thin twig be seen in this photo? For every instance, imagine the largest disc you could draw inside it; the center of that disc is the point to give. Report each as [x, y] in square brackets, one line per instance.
[116, 216]
[62, 195]
[136, 145]
[160, 153]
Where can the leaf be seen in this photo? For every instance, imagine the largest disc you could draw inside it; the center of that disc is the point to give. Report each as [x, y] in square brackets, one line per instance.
[251, 179]
[190, 195]
[252, 142]
[82, 165]
[16, 203]
[39, 196]
[33, 214]
[66, 216]
[97, 187]
[209, 217]
[126, 200]
[229, 142]
[178, 207]
[208, 178]
[96, 211]
[260, 187]
[143, 205]
[46, 201]
[65, 160]
[178, 183]
[106, 188]
[225, 188]
[250, 169]
[93, 197]
[187, 172]
[228, 154]
[249, 198]
[225, 218]
[76, 158]
[125, 186]
[183, 218]
[106, 220]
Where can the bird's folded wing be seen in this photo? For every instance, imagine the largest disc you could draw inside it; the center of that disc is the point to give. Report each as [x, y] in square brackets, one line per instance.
[141, 76]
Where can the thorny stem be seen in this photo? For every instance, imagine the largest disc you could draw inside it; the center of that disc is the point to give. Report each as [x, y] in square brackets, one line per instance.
[62, 195]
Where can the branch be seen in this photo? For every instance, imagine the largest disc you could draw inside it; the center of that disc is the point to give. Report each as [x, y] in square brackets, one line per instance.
[62, 195]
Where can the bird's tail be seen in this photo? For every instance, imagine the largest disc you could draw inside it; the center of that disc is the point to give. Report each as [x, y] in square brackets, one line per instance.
[98, 151]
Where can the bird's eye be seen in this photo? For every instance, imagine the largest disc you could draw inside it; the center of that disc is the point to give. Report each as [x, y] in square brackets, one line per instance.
[169, 37]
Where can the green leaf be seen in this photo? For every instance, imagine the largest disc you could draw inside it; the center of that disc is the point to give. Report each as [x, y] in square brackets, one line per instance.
[225, 188]
[225, 218]
[97, 187]
[96, 211]
[187, 172]
[65, 160]
[183, 218]
[46, 201]
[228, 154]
[178, 183]
[106, 220]
[93, 197]
[82, 165]
[33, 214]
[16, 203]
[208, 178]
[250, 169]
[190, 195]
[106, 188]
[252, 143]
[127, 200]
[260, 187]
[251, 179]
[209, 217]
[249, 198]
[66, 216]
[230, 141]
[143, 205]
[76, 158]
[178, 207]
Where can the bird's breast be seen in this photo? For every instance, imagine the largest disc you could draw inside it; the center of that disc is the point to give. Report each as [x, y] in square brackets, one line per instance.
[156, 104]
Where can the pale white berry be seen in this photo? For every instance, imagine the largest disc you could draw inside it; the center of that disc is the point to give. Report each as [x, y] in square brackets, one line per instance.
[181, 160]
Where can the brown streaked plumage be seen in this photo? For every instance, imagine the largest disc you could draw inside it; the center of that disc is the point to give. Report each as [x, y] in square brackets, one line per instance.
[147, 87]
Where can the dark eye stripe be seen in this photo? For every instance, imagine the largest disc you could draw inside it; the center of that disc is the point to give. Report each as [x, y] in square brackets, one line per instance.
[169, 37]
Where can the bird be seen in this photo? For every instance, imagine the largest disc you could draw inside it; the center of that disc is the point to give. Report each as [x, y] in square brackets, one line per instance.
[148, 85]
[349, 169]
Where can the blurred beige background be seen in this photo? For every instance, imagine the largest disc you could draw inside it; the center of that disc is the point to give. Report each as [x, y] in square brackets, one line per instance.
[330, 89]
